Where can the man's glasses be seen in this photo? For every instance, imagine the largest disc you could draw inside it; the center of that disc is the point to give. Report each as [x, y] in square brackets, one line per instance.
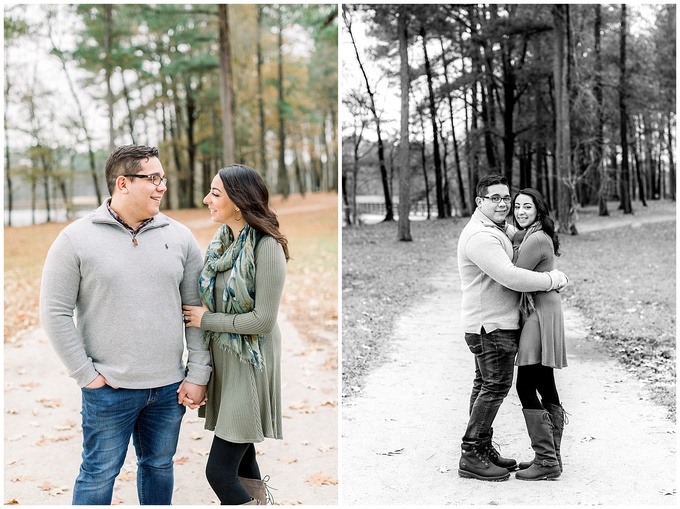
[156, 179]
[495, 198]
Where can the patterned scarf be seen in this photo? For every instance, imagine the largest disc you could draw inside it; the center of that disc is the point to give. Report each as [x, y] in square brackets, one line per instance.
[223, 254]
[526, 300]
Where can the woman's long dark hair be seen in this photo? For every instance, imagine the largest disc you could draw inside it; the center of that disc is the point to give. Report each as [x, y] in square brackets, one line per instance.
[543, 216]
[247, 190]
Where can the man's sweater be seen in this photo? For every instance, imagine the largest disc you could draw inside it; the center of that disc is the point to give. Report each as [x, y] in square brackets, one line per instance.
[112, 307]
[489, 280]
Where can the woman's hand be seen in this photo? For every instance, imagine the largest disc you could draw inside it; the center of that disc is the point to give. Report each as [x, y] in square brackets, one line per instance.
[193, 315]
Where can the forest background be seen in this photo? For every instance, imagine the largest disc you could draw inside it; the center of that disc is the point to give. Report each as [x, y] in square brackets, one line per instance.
[577, 101]
[208, 84]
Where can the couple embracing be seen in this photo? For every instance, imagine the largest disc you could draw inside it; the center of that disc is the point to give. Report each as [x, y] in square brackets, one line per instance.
[511, 313]
[125, 292]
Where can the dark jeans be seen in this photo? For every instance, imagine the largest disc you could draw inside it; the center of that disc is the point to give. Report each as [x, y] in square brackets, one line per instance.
[152, 418]
[494, 367]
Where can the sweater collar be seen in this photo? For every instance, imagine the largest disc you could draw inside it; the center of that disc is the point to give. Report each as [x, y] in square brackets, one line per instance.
[484, 219]
[103, 216]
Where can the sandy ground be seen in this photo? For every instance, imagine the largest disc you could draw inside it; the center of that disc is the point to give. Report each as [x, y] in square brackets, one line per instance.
[42, 440]
[401, 435]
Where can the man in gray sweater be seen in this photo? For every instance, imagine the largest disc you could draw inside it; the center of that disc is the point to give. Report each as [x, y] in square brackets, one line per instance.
[113, 287]
[490, 316]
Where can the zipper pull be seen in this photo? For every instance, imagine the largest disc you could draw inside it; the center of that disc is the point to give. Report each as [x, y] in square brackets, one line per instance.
[134, 241]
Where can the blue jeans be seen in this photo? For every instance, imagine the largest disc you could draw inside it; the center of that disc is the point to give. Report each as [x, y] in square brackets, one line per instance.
[494, 368]
[110, 416]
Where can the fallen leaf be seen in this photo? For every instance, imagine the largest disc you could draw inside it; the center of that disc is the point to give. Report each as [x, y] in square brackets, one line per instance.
[117, 501]
[13, 501]
[181, 461]
[320, 479]
[391, 453]
[12, 411]
[29, 385]
[49, 403]
[326, 448]
[16, 437]
[330, 403]
[46, 486]
[22, 478]
[196, 436]
[288, 460]
[202, 452]
[58, 491]
[66, 426]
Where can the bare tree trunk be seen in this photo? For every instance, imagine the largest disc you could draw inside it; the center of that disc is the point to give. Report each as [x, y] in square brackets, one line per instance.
[565, 209]
[599, 137]
[439, 188]
[389, 210]
[459, 176]
[404, 159]
[626, 204]
[283, 184]
[671, 167]
[8, 166]
[108, 41]
[260, 94]
[226, 94]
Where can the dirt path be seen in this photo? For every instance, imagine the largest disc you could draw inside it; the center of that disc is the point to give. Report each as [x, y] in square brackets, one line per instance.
[401, 436]
[42, 441]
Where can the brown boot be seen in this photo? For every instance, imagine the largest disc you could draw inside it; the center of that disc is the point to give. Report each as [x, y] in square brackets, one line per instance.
[545, 465]
[255, 488]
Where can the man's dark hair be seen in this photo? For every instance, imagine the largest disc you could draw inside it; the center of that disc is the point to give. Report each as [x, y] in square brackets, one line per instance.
[488, 181]
[126, 160]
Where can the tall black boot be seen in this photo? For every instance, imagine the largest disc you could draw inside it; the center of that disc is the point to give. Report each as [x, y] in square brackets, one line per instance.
[559, 419]
[545, 464]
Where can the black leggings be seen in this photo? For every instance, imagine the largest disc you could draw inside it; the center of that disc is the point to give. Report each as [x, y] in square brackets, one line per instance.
[226, 462]
[536, 378]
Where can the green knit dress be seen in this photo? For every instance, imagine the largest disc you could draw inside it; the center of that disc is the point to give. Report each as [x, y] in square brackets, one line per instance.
[244, 403]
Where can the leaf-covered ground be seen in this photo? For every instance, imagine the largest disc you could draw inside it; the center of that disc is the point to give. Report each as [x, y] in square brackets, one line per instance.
[310, 296]
[623, 283]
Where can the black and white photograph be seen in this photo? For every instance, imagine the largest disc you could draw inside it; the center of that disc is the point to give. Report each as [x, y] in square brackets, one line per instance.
[508, 254]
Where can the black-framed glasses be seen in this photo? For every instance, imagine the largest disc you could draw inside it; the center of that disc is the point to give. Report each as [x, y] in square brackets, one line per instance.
[496, 198]
[155, 179]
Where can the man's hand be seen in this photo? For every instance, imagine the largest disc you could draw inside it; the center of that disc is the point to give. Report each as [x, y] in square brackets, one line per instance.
[559, 280]
[99, 382]
[191, 395]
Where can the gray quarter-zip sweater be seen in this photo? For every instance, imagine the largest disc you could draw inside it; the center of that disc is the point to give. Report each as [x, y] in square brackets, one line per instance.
[114, 307]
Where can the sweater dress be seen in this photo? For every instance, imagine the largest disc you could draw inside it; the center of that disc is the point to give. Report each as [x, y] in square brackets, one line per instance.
[542, 338]
[244, 403]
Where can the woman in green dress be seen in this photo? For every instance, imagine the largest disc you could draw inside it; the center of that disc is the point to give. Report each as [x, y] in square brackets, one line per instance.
[241, 286]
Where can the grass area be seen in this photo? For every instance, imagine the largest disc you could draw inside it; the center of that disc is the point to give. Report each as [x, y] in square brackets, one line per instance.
[310, 297]
[623, 283]
[380, 277]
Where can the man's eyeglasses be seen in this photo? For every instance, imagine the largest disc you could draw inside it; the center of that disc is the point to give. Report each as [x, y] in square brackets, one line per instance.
[495, 198]
[156, 179]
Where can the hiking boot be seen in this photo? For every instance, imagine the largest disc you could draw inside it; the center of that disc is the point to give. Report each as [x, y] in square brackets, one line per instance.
[475, 464]
[495, 456]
